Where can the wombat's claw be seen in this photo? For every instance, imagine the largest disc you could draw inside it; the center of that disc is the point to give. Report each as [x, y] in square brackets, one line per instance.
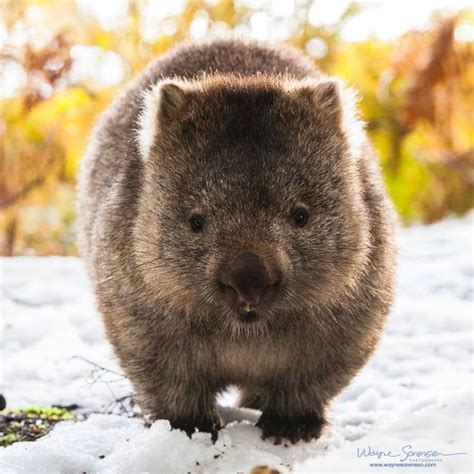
[304, 427]
[210, 425]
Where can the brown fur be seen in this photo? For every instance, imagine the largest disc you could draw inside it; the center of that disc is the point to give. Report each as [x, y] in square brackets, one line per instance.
[241, 133]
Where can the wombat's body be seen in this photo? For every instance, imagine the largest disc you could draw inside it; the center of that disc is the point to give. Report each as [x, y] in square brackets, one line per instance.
[237, 231]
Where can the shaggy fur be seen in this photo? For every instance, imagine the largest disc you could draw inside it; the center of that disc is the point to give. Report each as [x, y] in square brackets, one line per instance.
[243, 135]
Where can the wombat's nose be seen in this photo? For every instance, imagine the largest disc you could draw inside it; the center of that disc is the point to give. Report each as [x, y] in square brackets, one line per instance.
[249, 277]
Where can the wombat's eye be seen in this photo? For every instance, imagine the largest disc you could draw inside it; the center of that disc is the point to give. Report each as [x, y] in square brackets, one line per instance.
[300, 217]
[197, 223]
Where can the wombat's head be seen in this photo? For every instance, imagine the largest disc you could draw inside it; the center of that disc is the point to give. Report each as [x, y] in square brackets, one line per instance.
[252, 207]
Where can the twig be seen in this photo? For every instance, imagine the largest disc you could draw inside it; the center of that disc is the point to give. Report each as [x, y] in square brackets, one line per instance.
[97, 376]
[97, 366]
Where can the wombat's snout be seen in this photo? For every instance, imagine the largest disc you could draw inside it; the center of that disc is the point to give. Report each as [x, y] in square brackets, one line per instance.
[250, 277]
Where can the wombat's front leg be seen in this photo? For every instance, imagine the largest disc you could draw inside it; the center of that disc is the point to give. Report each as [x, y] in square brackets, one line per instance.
[291, 414]
[187, 407]
[208, 421]
[305, 426]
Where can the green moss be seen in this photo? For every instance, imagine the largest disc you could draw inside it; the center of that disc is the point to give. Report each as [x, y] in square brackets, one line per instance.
[53, 413]
[30, 423]
[8, 439]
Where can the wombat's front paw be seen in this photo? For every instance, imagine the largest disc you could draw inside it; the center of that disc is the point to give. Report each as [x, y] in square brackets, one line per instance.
[207, 424]
[303, 427]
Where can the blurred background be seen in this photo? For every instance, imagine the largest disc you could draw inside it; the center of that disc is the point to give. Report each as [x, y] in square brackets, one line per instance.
[63, 61]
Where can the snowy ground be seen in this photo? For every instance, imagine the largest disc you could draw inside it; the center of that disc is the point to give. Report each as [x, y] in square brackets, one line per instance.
[416, 390]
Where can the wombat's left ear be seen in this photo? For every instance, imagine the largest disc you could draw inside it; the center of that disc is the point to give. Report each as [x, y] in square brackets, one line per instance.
[327, 97]
[334, 105]
[324, 96]
[161, 106]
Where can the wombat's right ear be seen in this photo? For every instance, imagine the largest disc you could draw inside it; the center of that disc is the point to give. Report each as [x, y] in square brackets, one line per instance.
[161, 105]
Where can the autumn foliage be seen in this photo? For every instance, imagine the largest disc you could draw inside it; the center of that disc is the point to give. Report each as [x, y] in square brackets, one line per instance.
[416, 99]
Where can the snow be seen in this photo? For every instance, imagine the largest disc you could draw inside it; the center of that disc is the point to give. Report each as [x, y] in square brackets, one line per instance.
[415, 394]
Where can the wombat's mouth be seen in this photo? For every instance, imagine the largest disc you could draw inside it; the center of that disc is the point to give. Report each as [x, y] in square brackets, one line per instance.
[240, 305]
[244, 312]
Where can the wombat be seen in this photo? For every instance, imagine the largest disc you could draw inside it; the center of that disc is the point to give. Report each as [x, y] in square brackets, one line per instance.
[237, 232]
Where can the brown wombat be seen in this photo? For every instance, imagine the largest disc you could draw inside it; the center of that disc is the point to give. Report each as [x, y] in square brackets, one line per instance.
[237, 232]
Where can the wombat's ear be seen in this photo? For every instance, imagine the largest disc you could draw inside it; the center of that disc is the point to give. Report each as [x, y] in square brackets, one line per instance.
[335, 105]
[161, 106]
[326, 95]
[171, 99]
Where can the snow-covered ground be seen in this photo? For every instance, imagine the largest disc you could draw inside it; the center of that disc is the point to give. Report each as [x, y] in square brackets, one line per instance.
[414, 395]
